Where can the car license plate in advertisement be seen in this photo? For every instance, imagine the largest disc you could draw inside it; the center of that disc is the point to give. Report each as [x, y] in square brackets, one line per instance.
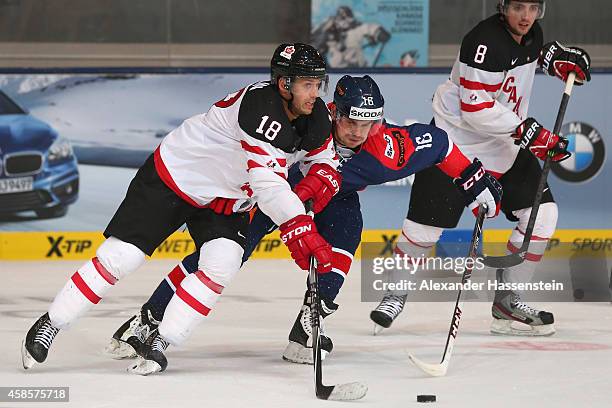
[16, 185]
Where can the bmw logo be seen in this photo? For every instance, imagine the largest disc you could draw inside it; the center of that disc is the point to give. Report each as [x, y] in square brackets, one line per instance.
[588, 153]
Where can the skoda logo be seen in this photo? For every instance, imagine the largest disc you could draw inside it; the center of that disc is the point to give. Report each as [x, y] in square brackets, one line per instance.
[588, 153]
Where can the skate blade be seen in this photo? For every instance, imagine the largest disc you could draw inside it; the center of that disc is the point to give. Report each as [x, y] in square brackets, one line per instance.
[144, 367]
[298, 354]
[514, 328]
[378, 329]
[26, 359]
[119, 350]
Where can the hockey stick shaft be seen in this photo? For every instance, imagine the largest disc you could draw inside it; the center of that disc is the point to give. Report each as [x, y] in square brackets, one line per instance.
[516, 258]
[315, 307]
[569, 84]
[339, 392]
[378, 54]
[439, 370]
[467, 274]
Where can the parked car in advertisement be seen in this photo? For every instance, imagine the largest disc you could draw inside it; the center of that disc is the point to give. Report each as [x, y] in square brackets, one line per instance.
[38, 169]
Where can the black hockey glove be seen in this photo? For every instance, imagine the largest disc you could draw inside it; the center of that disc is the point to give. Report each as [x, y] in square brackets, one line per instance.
[558, 60]
[479, 187]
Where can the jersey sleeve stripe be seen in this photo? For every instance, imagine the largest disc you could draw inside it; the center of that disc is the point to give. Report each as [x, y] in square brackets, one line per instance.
[282, 162]
[479, 86]
[320, 149]
[253, 149]
[466, 107]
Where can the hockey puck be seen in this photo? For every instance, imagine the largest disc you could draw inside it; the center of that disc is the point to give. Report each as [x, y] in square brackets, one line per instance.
[426, 398]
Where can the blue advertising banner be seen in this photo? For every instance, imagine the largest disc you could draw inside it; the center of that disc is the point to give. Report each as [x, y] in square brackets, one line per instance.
[373, 33]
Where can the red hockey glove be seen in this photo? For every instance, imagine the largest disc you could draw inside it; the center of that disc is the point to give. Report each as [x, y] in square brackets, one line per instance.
[557, 60]
[222, 205]
[479, 187]
[301, 237]
[321, 183]
[531, 135]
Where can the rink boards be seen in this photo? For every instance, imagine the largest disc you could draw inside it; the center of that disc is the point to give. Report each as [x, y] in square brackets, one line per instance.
[72, 245]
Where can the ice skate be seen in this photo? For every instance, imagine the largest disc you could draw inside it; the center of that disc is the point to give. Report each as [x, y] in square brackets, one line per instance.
[151, 358]
[35, 347]
[387, 311]
[131, 335]
[515, 318]
[299, 349]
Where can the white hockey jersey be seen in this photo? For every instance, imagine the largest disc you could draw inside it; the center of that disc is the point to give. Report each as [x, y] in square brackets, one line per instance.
[242, 149]
[487, 94]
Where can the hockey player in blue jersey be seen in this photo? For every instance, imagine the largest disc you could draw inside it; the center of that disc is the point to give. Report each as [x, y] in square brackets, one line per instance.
[371, 152]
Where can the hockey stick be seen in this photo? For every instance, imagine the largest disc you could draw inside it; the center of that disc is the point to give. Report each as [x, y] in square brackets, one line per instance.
[507, 261]
[378, 53]
[338, 392]
[439, 370]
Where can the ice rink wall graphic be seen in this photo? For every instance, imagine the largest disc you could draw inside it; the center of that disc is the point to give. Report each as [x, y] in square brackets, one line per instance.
[115, 118]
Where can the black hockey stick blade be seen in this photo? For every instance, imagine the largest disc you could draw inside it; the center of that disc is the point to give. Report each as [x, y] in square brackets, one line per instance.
[338, 392]
[505, 261]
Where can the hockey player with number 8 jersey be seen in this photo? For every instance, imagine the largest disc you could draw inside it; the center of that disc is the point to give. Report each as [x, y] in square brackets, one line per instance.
[483, 107]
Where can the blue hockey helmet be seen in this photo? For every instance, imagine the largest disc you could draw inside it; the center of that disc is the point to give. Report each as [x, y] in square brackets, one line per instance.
[358, 98]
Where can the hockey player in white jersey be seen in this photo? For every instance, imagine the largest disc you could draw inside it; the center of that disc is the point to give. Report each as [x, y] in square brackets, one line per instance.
[483, 108]
[208, 173]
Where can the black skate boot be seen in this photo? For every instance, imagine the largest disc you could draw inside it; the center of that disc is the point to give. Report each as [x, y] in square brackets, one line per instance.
[131, 335]
[385, 313]
[151, 358]
[299, 349]
[513, 317]
[35, 347]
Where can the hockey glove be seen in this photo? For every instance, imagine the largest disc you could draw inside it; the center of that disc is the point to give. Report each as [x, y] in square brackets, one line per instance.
[321, 183]
[223, 206]
[557, 60]
[541, 142]
[301, 237]
[479, 187]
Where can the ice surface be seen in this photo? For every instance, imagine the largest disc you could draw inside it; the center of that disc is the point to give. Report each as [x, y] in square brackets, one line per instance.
[234, 358]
